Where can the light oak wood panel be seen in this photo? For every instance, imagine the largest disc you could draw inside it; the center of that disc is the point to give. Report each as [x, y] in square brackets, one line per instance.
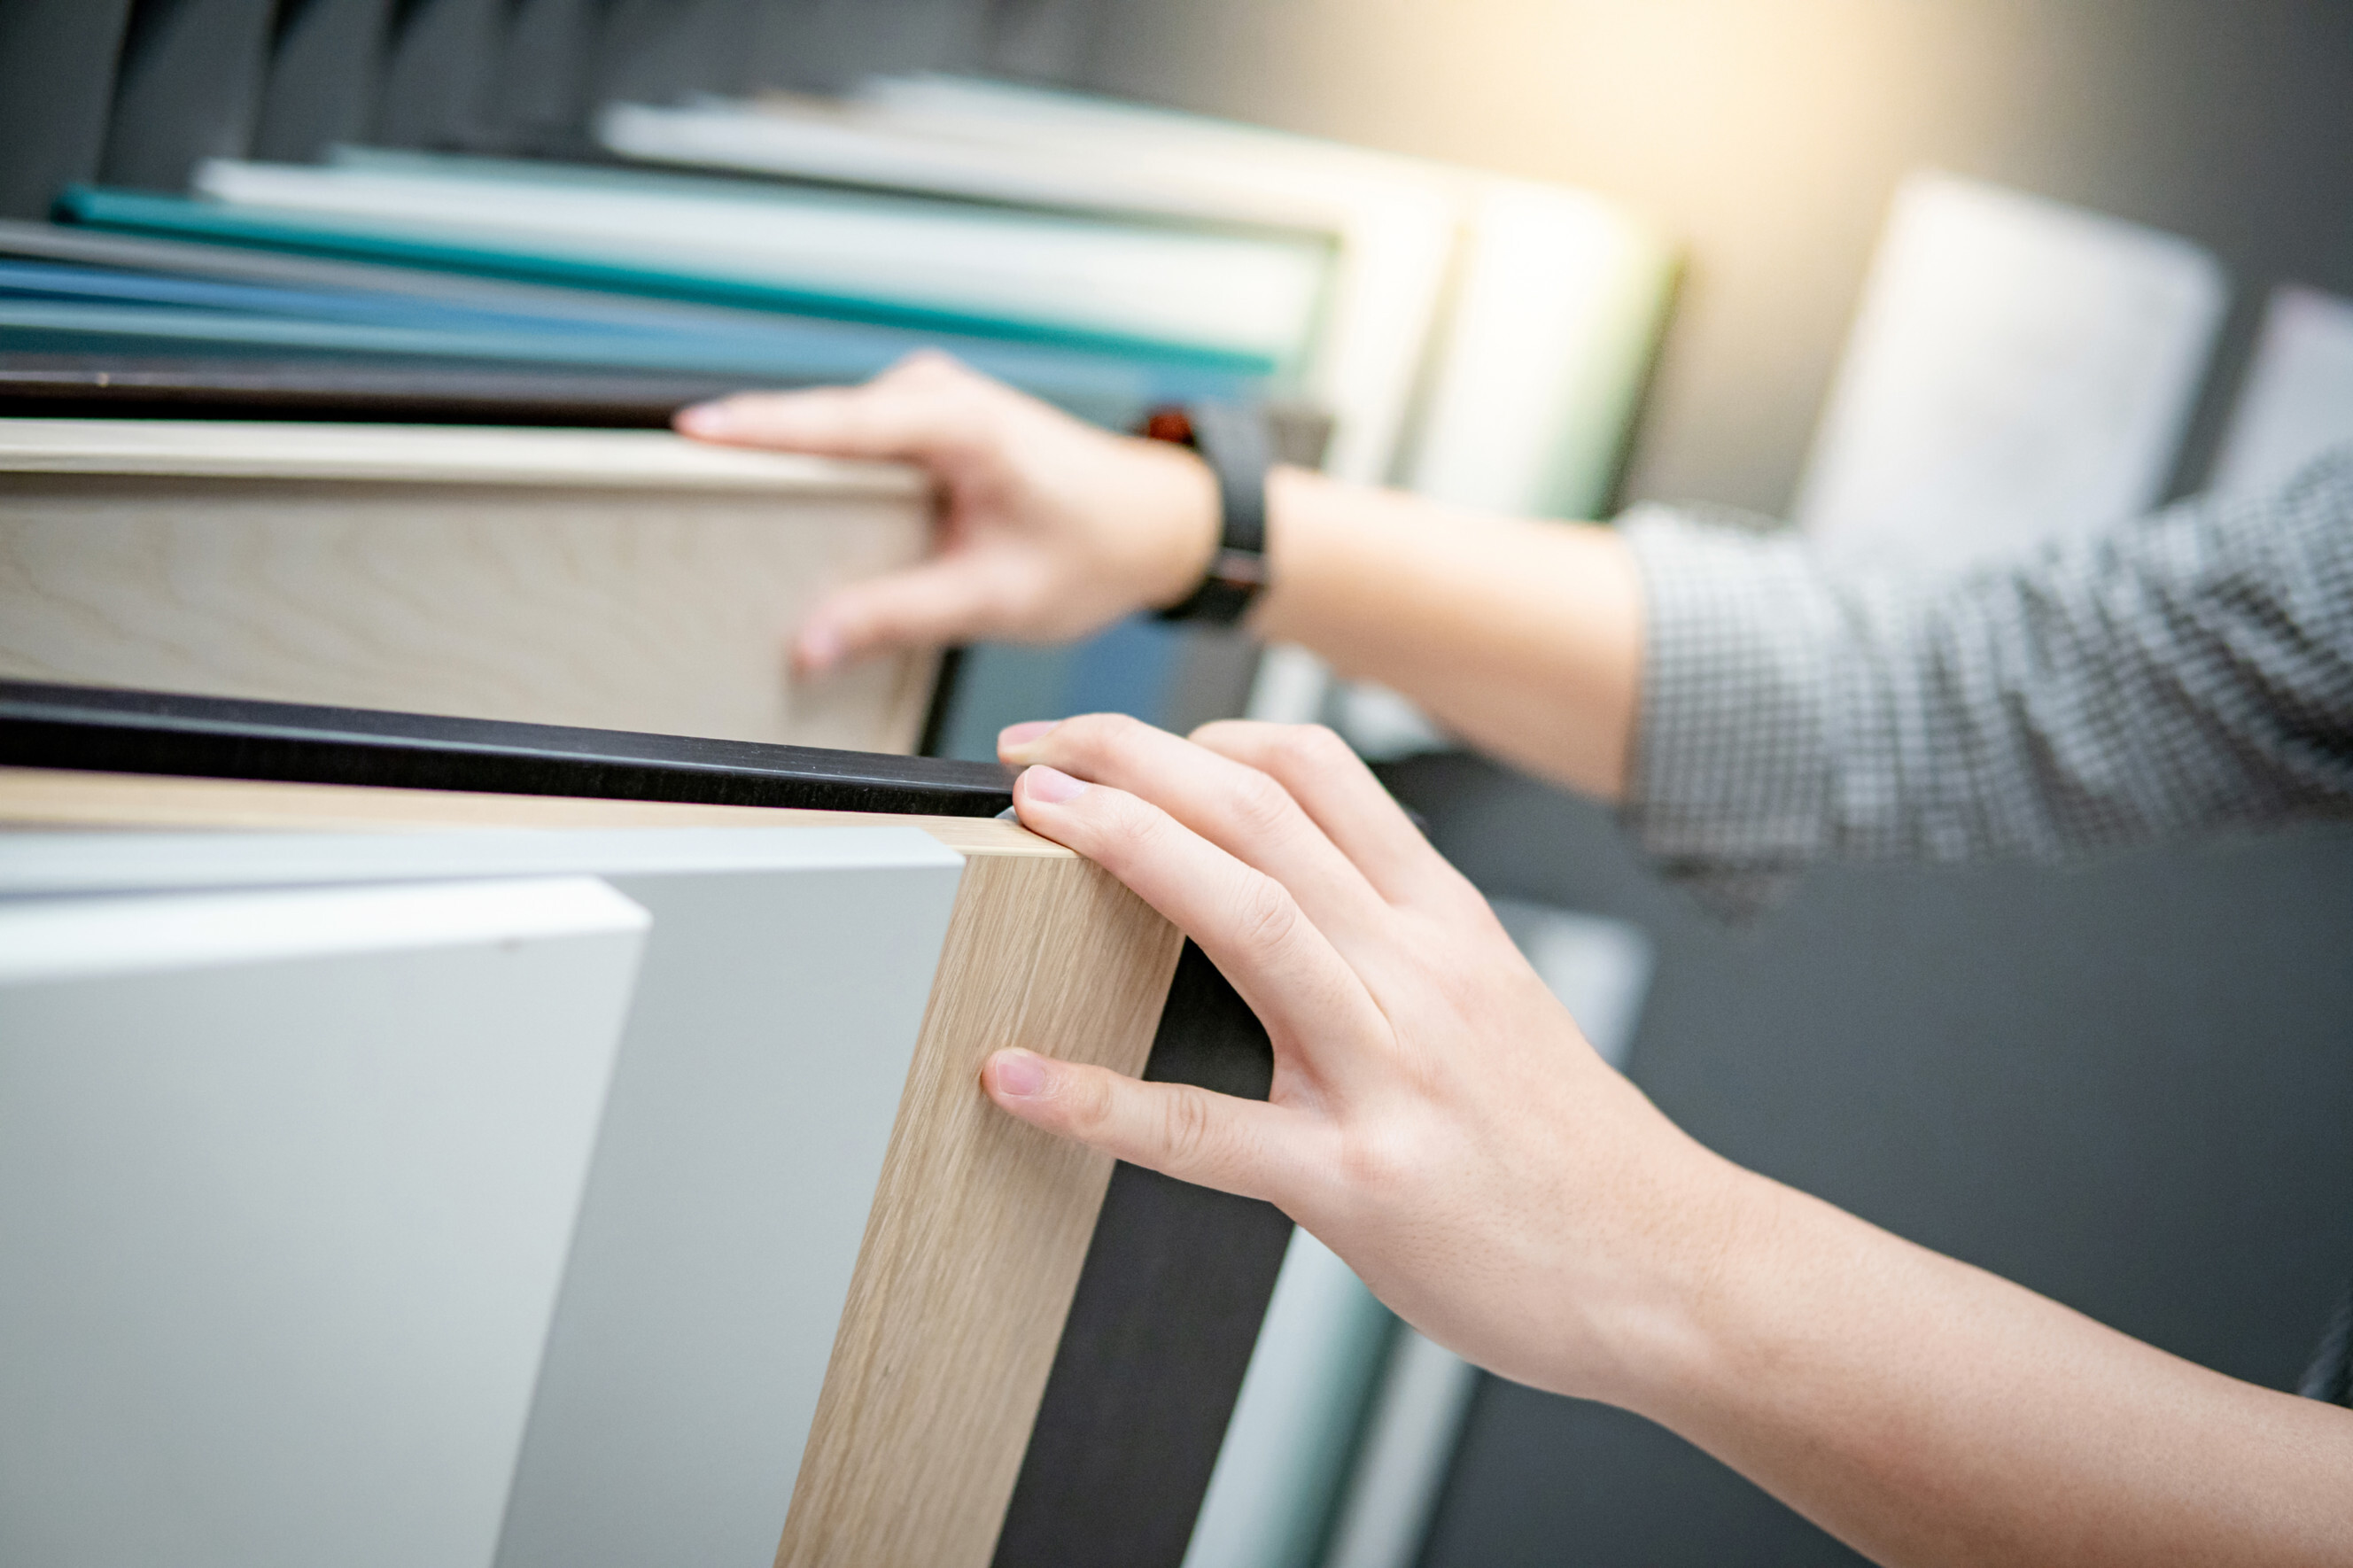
[619, 580]
[408, 454]
[62, 797]
[980, 1225]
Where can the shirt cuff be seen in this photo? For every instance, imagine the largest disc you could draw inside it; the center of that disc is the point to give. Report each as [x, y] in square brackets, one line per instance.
[1730, 786]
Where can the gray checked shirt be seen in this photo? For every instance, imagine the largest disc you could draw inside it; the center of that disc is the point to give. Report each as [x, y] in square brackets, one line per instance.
[2187, 672]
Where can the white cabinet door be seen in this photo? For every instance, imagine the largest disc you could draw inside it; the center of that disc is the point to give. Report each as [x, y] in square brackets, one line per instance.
[288, 1181]
[758, 1077]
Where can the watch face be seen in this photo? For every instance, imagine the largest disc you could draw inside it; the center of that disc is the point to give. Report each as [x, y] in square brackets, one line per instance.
[1169, 422]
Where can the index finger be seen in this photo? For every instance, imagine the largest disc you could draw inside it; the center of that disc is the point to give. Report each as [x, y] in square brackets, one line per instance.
[919, 410]
[1340, 795]
[1249, 924]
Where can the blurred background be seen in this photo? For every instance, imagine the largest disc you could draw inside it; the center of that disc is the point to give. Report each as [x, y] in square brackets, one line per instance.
[1555, 256]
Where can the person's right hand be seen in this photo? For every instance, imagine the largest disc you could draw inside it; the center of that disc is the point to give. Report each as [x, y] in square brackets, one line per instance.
[1048, 528]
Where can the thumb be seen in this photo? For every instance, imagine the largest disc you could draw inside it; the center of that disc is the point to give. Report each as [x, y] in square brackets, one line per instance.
[1210, 1140]
[947, 599]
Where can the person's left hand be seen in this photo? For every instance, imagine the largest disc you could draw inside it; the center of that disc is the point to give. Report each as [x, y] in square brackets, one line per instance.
[1436, 1118]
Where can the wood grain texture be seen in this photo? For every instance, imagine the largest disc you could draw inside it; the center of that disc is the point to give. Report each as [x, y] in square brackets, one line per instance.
[619, 580]
[62, 798]
[407, 453]
[980, 1225]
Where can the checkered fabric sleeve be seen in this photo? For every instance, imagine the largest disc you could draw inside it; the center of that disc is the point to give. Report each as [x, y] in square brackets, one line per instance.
[2188, 671]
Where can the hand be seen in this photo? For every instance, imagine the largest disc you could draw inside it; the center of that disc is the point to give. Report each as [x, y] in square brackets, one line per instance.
[1049, 529]
[1436, 1117]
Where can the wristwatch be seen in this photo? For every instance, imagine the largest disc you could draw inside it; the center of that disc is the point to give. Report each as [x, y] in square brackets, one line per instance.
[1234, 441]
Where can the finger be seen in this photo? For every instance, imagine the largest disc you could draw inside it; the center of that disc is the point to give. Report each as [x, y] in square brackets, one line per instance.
[1340, 795]
[948, 599]
[1243, 1146]
[1248, 924]
[1238, 808]
[915, 418]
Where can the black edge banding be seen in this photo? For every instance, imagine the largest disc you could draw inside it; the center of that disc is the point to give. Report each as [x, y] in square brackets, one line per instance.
[1167, 1311]
[213, 737]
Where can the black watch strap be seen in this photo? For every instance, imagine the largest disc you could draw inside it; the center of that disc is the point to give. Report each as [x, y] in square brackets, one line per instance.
[1234, 441]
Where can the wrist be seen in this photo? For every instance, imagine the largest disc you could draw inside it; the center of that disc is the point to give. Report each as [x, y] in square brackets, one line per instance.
[1668, 1336]
[1179, 532]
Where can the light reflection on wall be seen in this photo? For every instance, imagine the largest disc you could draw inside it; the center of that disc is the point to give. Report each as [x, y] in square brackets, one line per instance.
[1768, 135]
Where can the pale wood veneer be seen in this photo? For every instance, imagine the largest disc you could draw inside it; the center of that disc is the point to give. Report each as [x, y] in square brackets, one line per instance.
[621, 579]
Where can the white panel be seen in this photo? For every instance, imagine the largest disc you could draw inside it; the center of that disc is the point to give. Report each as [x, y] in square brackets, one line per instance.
[1246, 294]
[2019, 369]
[1303, 1399]
[1409, 1447]
[2297, 400]
[1545, 359]
[286, 1182]
[783, 987]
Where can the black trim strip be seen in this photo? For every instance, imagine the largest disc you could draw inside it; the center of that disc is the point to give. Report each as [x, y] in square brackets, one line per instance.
[1161, 1329]
[217, 737]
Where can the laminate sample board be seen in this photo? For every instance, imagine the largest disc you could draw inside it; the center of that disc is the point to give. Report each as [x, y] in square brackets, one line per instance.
[772, 1026]
[625, 580]
[286, 1182]
[978, 1228]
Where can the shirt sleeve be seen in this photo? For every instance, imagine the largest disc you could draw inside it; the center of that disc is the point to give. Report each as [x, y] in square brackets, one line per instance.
[2187, 671]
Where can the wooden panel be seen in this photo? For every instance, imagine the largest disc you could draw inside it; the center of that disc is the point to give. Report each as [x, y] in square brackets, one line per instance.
[612, 580]
[60, 798]
[980, 1226]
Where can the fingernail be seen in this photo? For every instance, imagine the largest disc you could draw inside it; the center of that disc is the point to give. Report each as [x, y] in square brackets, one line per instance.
[704, 419]
[1050, 787]
[1018, 1073]
[1013, 737]
[820, 649]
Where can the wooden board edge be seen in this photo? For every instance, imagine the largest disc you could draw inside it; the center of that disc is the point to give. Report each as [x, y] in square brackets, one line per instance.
[980, 1227]
[69, 798]
[320, 451]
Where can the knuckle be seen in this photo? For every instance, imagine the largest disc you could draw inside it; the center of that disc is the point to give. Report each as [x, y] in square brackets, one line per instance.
[1188, 1127]
[1265, 915]
[1129, 832]
[1258, 805]
[1384, 1161]
[1098, 735]
[1087, 1103]
[923, 365]
[1311, 748]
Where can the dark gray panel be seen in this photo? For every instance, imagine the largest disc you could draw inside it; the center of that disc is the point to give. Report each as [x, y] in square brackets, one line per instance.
[830, 46]
[1161, 1327]
[2126, 1085]
[56, 83]
[547, 78]
[1044, 40]
[188, 89]
[657, 51]
[440, 73]
[324, 64]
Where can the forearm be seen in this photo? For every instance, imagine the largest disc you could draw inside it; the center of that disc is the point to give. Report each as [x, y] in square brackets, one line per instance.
[1524, 638]
[1929, 1412]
